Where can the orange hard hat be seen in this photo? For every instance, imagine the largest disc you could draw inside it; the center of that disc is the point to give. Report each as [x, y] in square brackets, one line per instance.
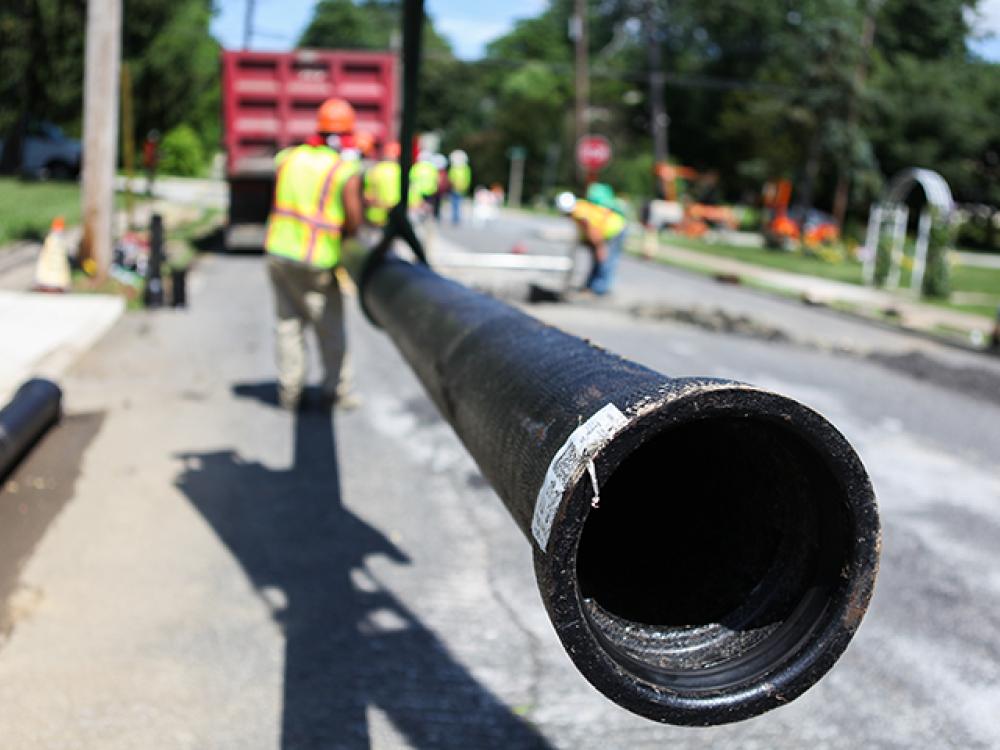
[335, 116]
[365, 142]
[392, 150]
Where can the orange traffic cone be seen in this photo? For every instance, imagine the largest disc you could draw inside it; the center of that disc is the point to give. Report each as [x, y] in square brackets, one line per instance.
[52, 269]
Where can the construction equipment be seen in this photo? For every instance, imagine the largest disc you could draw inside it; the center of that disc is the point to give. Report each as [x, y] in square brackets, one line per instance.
[270, 100]
[679, 211]
[789, 227]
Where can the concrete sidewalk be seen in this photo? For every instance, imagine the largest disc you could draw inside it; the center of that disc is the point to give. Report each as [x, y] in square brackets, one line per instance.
[43, 334]
[907, 311]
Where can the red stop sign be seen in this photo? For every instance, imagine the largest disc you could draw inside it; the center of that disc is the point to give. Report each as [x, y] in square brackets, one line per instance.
[593, 152]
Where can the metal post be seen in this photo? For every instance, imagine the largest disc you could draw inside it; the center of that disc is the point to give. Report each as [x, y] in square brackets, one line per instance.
[872, 238]
[128, 140]
[154, 271]
[920, 254]
[248, 25]
[902, 214]
[842, 193]
[100, 130]
[515, 183]
[657, 82]
[578, 32]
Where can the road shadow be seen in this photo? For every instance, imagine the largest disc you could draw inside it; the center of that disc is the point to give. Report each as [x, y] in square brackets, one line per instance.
[351, 645]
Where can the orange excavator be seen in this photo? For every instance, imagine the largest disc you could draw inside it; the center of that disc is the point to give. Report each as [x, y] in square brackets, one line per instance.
[696, 218]
[799, 225]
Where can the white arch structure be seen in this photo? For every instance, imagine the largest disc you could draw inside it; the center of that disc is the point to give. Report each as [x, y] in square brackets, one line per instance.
[892, 207]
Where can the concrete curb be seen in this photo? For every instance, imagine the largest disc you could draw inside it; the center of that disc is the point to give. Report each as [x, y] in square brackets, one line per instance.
[45, 334]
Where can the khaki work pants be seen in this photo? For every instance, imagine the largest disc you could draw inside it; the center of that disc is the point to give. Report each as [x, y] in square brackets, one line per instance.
[302, 296]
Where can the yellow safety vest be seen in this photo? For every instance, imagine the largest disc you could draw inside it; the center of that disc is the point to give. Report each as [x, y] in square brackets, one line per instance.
[381, 191]
[307, 218]
[609, 223]
[460, 177]
[424, 177]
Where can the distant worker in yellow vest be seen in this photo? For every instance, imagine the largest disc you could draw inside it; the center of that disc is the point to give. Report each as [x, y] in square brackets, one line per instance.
[317, 203]
[424, 178]
[381, 186]
[601, 224]
[460, 179]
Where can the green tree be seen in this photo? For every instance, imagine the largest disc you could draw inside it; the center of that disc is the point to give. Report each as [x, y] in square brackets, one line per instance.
[174, 61]
[41, 77]
[175, 66]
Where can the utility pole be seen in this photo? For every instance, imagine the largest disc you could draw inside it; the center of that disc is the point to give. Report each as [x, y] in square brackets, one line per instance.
[248, 25]
[515, 181]
[657, 82]
[842, 192]
[578, 32]
[100, 130]
[128, 139]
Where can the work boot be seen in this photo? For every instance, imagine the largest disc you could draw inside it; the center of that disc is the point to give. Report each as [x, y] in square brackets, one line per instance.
[347, 401]
[289, 400]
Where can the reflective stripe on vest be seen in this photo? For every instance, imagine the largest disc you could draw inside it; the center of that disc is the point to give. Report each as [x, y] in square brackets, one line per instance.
[609, 223]
[308, 214]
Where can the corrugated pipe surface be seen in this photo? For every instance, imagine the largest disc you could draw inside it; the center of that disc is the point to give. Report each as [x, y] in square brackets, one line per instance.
[705, 549]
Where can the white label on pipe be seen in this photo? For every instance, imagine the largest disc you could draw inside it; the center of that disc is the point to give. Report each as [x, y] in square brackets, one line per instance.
[568, 465]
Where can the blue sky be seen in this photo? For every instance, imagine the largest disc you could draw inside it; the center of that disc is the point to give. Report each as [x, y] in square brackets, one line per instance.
[278, 23]
[468, 25]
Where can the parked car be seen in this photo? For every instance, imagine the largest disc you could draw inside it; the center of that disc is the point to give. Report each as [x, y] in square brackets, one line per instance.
[48, 154]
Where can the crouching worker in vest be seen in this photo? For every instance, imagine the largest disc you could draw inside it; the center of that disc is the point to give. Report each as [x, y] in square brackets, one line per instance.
[602, 229]
[317, 203]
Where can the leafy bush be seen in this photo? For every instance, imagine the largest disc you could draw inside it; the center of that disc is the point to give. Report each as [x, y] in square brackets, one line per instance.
[978, 228]
[181, 152]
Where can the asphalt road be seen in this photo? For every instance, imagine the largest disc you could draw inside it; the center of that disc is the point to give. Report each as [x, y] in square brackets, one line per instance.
[211, 572]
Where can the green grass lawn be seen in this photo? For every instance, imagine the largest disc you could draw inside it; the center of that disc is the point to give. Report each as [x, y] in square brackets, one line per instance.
[848, 271]
[28, 208]
[981, 283]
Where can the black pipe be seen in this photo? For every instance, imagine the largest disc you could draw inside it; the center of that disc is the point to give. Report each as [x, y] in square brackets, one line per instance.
[34, 407]
[153, 295]
[731, 548]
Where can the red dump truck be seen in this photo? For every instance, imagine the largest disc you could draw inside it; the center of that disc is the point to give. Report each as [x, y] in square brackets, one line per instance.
[269, 101]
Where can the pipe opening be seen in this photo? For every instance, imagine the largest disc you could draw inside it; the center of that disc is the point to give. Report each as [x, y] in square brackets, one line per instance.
[715, 553]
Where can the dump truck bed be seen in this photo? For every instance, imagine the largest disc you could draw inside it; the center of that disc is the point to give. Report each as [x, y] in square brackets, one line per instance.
[269, 102]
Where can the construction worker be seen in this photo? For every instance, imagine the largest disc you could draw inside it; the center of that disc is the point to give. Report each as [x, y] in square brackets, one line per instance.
[460, 178]
[424, 177]
[364, 142]
[602, 228]
[317, 203]
[440, 162]
[381, 186]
